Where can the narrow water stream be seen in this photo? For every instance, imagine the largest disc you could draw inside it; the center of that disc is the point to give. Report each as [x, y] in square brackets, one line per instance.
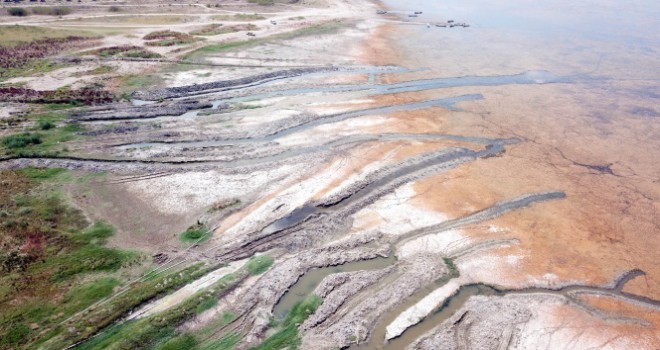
[453, 304]
[310, 280]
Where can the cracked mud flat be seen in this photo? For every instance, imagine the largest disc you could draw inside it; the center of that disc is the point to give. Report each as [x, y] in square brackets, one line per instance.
[432, 198]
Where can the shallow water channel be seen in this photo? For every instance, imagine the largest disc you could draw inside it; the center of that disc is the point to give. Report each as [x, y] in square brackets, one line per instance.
[306, 285]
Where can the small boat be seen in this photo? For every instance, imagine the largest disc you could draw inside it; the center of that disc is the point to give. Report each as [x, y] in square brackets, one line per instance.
[381, 12]
[443, 25]
[450, 21]
[418, 12]
[413, 16]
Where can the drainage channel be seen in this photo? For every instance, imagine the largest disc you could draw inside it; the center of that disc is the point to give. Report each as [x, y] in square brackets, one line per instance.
[377, 338]
[312, 278]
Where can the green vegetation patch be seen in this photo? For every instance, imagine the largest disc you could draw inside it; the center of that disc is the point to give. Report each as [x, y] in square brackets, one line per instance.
[287, 337]
[206, 305]
[181, 342]
[259, 264]
[42, 173]
[196, 234]
[157, 331]
[228, 342]
[53, 263]
[45, 139]
[23, 140]
[102, 316]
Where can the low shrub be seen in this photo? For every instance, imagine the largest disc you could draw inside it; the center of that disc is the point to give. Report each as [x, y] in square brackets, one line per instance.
[196, 234]
[17, 11]
[21, 140]
[259, 264]
[52, 11]
[168, 38]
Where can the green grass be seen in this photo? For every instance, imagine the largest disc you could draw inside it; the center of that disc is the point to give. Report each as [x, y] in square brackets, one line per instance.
[42, 173]
[228, 342]
[46, 137]
[86, 294]
[158, 331]
[206, 305]
[54, 264]
[287, 336]
[20, 141]
[100, 317]
[130, 83]
[259, 264]
[43, 143]
[195, 234]
[181, 342]
[36, 67]
[14, 35]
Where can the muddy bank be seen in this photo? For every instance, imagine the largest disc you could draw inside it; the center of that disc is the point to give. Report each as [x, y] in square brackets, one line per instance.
[142, 112]
[254, 80]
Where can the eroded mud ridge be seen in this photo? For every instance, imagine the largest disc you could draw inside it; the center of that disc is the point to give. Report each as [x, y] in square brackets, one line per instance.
[311, 182]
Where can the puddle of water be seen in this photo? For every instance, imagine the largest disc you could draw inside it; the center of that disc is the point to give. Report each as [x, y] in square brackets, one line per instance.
[295, 217]
[310, 280]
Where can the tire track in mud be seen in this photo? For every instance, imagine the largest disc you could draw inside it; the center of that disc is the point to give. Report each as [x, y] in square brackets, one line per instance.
[498, 209]
[161, 166]
[326, 217]
[529, 77]
[306, 122]
[257, 80]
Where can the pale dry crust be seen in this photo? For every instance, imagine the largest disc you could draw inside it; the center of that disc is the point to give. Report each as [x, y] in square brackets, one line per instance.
[373, 156]
[561, 325]
[622, 310]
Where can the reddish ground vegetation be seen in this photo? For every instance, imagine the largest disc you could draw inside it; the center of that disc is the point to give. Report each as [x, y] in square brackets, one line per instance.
[168, 38]
[126, 51]
[21, 55]
[86, 96]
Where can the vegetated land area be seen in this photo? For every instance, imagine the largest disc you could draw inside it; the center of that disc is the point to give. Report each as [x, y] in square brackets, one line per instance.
[320, 174]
